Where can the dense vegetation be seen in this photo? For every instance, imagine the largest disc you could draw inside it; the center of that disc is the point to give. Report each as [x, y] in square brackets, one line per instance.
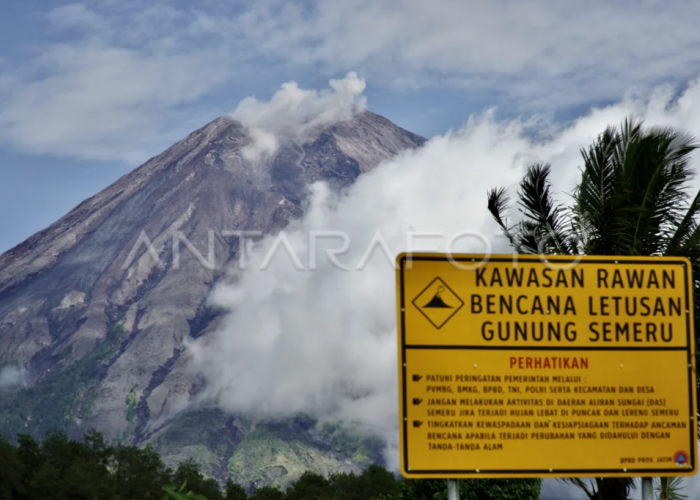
[62, 469]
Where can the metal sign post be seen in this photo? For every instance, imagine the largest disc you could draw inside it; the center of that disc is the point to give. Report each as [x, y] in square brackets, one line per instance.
[453, 489]
[647, 488]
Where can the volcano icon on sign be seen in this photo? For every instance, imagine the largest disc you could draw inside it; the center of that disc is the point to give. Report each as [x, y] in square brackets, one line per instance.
[438, 303]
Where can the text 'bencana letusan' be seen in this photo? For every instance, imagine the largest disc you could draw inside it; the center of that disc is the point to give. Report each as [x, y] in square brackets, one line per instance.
[612, 316]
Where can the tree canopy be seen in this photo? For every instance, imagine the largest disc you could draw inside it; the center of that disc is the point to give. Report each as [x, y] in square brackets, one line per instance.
[58, 468]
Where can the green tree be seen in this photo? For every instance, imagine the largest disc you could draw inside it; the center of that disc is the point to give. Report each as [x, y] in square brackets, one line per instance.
[235, 491]
[422, 489]
[29, 452]
[188, 473]
[373, 482]
[65, 469]
[632, 200]
[12, 472]
[97, 447]
[500, 489]
[310, 486]
[267, 493]
[138, 473]
[171, 493]
[470, 489]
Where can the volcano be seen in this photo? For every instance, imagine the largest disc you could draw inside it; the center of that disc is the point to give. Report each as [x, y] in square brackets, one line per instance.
[98, 307]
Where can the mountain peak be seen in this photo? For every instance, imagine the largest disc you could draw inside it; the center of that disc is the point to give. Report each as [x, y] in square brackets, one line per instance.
[101, 291]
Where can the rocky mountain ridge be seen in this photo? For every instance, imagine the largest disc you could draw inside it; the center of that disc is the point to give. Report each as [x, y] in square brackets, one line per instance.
[98, 310]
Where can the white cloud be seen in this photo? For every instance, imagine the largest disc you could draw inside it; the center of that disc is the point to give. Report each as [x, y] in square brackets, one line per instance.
[11, 376]
[537, 54]
[102, 100]
[324, 342]
[123, 73]
[294, 113]
[111, 90]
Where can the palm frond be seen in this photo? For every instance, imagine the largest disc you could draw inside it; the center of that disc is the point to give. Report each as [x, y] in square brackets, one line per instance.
[630, 132]
[497, 204]
[656, 171]
[685, 228]
[543, 217]
[596, 194]
[691, 246]
[669, 488]
[583, 485]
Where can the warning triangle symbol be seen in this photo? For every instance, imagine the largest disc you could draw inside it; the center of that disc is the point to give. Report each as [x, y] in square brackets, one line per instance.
[438, 302]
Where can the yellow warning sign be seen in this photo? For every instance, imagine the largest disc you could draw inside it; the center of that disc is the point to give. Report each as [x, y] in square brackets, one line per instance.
[521, 366]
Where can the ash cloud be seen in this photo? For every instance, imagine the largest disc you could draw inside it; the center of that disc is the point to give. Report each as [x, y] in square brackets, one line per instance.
[294, 113]
[323, 341]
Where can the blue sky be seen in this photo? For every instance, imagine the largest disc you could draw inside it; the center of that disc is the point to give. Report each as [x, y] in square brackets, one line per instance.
[90, 90]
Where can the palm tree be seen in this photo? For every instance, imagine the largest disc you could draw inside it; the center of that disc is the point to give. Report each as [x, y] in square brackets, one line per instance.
[669, 488]
[633, 199]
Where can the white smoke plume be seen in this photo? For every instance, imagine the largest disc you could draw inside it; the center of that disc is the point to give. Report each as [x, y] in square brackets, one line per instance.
[323, 341]
[11, 376]
[295, 112]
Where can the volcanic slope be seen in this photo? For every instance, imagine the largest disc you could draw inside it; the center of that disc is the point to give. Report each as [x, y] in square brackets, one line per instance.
[99, 322]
